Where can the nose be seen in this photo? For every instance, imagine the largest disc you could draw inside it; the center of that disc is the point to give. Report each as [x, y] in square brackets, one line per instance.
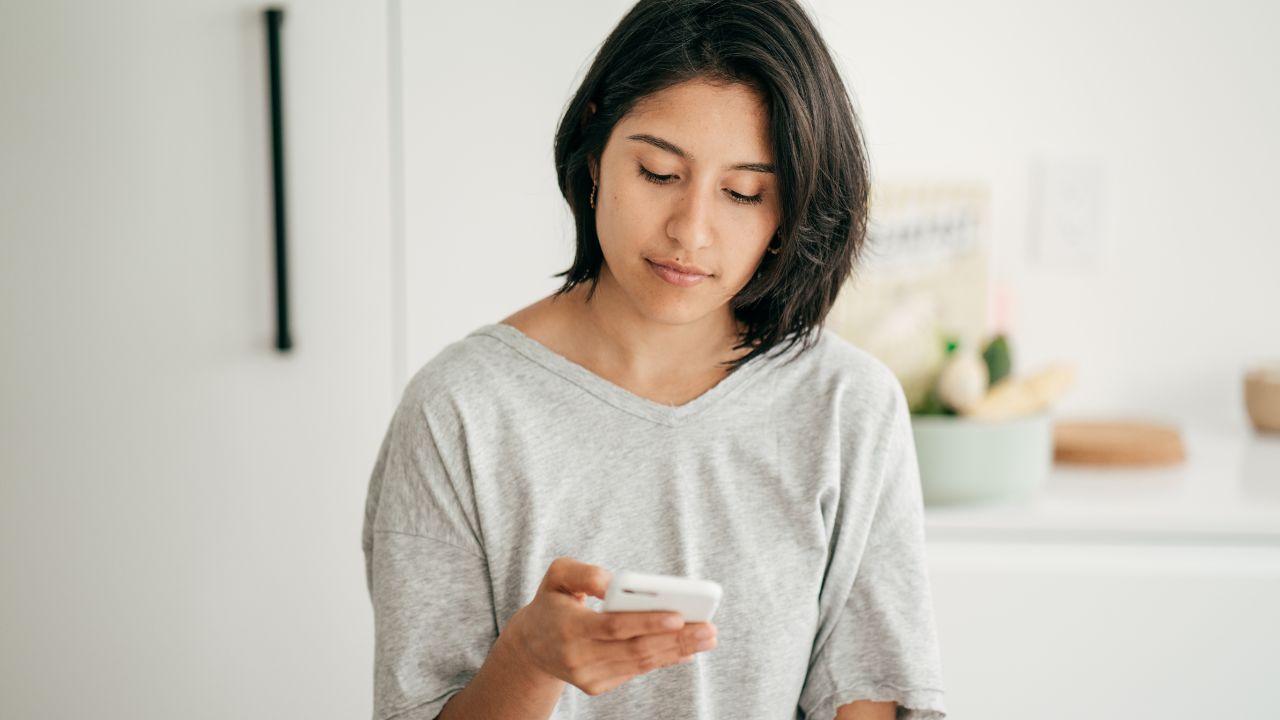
[691, 223]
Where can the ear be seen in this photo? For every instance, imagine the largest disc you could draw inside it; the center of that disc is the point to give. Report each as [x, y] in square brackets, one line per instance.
[593, 165]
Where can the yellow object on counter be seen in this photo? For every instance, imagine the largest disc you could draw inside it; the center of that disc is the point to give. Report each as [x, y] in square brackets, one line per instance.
[1017, 396]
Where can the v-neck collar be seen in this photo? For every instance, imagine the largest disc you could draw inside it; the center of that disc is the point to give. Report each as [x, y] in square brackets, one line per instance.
[616, 395]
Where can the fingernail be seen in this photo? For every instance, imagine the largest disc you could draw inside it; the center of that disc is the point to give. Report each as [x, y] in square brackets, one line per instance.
[673, 622]
[702, 633]
[686, 660]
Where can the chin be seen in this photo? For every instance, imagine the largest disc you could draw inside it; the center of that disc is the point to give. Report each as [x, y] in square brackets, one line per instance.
[669, 307]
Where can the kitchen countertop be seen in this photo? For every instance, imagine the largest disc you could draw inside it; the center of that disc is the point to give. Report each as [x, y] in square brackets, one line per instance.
[1227, 492]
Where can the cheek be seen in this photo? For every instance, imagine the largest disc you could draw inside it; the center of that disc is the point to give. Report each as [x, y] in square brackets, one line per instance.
[755, 230]
[628, 217]
[756, 235]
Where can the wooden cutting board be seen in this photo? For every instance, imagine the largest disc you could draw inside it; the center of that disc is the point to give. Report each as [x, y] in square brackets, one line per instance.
[1117, 443]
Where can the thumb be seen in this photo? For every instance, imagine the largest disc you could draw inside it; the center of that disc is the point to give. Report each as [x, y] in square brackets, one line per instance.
[580, 579]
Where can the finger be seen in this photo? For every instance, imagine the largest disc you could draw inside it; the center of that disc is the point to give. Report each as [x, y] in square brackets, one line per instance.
[694, 638]
[625, 625]
[637, 649]
[571, 576]
[645, 654]
[621, 660]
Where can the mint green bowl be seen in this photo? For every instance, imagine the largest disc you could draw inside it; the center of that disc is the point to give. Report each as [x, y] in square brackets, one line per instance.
[966, 461]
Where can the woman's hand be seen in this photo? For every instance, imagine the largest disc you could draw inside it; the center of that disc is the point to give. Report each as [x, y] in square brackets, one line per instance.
[597, 652]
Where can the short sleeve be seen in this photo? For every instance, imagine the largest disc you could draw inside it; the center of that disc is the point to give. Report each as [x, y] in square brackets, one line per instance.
[425, 570]
[881, 642]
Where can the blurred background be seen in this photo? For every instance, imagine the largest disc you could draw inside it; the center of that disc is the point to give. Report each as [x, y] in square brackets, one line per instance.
[185, 442]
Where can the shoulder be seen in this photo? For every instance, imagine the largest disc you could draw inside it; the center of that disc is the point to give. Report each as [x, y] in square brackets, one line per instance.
[850, 379]
[480, 362]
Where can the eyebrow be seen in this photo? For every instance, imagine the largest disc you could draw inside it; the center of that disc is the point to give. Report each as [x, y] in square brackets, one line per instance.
[673, 148]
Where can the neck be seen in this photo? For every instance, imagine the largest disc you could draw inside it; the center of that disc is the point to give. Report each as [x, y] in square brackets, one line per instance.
[646, 351]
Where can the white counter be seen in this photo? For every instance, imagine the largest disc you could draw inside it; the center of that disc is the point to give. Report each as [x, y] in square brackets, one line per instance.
[1226, 492]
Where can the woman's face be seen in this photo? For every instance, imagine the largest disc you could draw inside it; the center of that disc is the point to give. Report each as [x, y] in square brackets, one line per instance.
[686, 178]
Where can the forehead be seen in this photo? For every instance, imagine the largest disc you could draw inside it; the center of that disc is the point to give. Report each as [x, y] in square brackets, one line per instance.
[711, 120]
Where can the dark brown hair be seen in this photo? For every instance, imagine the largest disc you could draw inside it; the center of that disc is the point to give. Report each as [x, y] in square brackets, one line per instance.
[819, 157]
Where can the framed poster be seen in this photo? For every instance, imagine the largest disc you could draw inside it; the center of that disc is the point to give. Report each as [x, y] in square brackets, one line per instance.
[921, 281]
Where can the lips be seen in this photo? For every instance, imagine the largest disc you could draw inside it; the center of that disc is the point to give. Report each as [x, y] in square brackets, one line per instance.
[675, 277]
[685, 269]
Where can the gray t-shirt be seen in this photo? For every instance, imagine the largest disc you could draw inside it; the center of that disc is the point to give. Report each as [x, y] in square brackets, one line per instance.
[792, 484]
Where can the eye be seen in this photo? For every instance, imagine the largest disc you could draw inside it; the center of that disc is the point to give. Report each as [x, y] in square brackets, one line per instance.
[667, 179]
[655, 178]
[746, 199]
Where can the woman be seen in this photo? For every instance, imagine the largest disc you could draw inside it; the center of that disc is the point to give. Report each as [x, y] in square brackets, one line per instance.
[675, 408]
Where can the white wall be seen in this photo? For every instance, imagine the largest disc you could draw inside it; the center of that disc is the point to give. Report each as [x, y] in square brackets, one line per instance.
[180, 504]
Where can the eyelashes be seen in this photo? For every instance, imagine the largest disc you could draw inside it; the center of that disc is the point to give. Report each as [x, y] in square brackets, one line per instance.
[665, 179]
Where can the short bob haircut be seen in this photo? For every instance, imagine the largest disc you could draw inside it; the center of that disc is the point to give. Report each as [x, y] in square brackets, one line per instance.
[819, 157]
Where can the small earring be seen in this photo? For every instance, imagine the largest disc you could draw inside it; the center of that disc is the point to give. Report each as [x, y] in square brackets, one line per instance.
[593, 195]
[776, 250]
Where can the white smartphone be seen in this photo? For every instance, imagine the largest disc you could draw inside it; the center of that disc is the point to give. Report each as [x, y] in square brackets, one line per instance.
[696, 600]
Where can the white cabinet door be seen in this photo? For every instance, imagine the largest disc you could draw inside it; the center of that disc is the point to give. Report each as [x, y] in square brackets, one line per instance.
[485, 228]
[180, 505]
[1096, 630]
